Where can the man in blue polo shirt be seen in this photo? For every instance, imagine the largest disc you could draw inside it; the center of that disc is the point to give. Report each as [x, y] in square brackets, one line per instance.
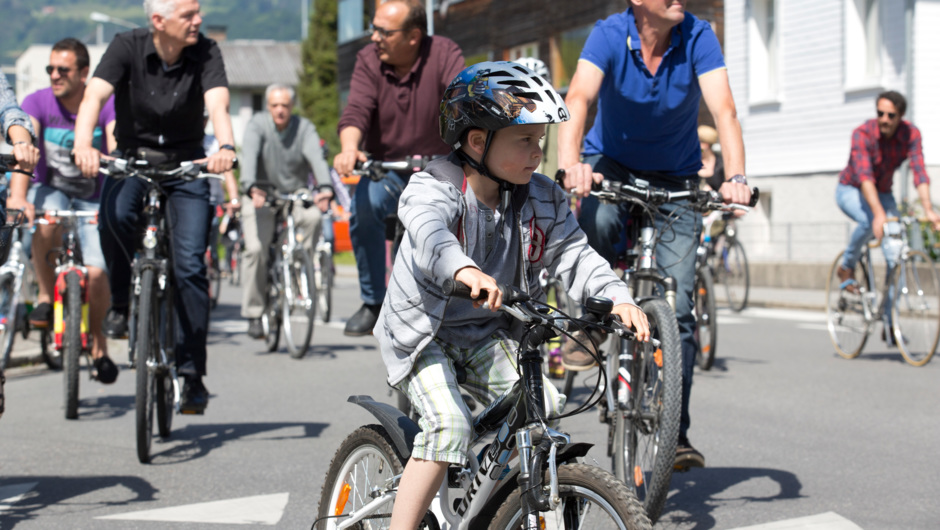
[647, 68]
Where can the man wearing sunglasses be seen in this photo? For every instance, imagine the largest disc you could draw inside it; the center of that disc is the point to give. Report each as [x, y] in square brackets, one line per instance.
[879, 147]
[59, 185]
[392, 113]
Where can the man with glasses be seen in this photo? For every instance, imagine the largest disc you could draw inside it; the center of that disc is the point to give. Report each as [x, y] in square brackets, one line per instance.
[59, 185]
[879, 147]
[392, 113]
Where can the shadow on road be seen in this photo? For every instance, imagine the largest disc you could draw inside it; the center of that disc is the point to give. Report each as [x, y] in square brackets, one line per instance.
[62, 496]
[105, 407]
[700, 491]
[196, 441]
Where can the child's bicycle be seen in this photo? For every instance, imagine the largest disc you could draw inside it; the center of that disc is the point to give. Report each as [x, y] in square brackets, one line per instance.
[545, 486]
[70, 329]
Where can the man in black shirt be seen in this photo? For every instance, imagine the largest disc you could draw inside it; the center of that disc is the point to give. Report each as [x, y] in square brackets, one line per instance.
[162, 78]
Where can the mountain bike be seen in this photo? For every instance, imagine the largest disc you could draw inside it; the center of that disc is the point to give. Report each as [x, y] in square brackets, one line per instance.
[16, 278]
[71, 337]
[545, 487]
[908, 303]
[729, 263]
[152, 322]
[291, 301]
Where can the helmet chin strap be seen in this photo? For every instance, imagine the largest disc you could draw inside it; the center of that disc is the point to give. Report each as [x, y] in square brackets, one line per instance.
[505, 188]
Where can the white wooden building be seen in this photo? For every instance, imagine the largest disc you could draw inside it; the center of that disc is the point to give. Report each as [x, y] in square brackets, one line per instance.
[804, 74]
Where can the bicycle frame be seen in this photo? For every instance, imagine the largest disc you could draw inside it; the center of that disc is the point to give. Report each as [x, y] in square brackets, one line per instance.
[69, 259]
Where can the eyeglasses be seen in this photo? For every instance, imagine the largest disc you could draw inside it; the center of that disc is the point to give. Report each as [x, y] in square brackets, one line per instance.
[891, 115]
[63, 70]
[383, 33]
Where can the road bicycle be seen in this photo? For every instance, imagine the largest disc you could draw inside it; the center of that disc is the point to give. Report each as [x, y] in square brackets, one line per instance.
[152, 326]
[70, 330]
[291, 298]
[545, 486]
[728, 263]
[324, 270]
[907, 304]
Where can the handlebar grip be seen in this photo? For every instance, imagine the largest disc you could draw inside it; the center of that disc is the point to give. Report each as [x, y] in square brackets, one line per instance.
[755, 196]
[8, 160]
[462, 290]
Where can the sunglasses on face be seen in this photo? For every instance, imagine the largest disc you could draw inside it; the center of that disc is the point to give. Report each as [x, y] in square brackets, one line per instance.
[63, 70]
[891, 115]
[383, 33]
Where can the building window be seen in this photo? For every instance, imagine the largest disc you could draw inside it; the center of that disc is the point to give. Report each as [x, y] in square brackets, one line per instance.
[257, 102]
[353, 19]
[862, 43]
[762, 38]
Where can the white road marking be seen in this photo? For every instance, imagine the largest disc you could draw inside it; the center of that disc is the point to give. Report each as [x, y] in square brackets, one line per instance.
[258, 510]
[796, 315]
[10, 495]
[823, 521]
[240, 325]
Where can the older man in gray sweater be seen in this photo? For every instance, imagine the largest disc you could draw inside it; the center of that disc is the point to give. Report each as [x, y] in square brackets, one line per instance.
[282, 149]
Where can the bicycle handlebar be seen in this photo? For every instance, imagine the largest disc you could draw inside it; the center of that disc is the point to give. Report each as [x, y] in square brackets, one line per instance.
[49, 217]
[129, 167]
[7, 161]
[375, 169]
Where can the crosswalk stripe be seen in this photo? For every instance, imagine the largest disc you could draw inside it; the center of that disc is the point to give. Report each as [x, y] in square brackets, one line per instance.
[823, 521]
[257, 510]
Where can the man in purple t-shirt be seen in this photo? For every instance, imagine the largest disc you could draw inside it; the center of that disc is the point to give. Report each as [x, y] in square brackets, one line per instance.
[392, 113]
[59, 185]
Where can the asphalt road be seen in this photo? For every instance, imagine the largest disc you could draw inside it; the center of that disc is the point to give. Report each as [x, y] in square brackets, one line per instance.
[792, 434]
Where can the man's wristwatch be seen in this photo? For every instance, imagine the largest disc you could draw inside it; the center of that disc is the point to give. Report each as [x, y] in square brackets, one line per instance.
[739, 179]
[230, 147]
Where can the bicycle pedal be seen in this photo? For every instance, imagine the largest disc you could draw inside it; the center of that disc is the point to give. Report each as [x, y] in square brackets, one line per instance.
[193, 412]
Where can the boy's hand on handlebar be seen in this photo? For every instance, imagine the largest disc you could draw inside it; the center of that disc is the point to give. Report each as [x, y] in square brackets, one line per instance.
[87, 159]
[27, 155]
[581, 178]
[345, 161]
[479, 281]
[735, 193]
[633, 317]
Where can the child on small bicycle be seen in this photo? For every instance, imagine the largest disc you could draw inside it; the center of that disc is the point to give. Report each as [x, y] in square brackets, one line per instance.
[481, 217]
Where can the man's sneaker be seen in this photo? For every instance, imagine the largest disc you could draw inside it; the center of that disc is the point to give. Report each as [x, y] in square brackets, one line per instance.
[255, 329]
[105, 370]
[847, 279]
[686, 456]
[573, 355]
[41, 316]
[195, 396]
[115, 324]
[363, 321]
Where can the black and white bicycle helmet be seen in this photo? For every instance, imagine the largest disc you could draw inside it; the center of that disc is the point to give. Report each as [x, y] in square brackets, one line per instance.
[537, 66]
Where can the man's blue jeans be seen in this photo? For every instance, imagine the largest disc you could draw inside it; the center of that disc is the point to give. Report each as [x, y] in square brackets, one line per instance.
[679, 229]
[852, 203]
[187, 210]
[371, 204]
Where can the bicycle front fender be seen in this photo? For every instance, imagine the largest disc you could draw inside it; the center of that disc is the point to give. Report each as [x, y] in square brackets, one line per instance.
[400, 427]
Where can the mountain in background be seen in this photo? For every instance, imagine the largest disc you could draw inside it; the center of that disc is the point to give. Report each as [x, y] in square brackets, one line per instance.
[46, 21]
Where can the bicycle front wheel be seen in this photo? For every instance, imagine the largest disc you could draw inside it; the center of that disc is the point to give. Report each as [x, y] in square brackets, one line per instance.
[144, 351]
[8, 318]
[590, 498]
[215, 285]
[735, 273]
[847, 312]
[364, 463]
[72, 341]
[324, 282]
[298, 305]
[915, 311]
[706, 323]
[646, 426]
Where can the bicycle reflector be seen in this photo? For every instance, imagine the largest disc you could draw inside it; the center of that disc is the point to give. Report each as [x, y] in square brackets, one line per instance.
[341, 501]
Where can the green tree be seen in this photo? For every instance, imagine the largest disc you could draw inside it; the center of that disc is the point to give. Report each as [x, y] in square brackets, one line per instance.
[319, 98]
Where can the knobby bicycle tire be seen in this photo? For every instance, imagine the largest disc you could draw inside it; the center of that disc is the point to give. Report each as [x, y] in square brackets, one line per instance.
[164, 396]
[72, 342]
[368, 448]
[846, 311]
[590, 498]
[706, 321]
[143, 351]
[646, 428]
[298, 304]
[915, 311]
[8, 333]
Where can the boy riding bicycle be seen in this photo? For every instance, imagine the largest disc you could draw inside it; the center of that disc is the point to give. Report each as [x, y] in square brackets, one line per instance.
[481, 217]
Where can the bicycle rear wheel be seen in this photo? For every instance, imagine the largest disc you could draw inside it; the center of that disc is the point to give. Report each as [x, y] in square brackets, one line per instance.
[298, 304]
[215, 285]
[271, 317]
[144, 351]
[324, 281]
[848, 314]
[706, 323]
[72, 341]
[915, 311]
[646, 426]
[8, 318]
[734, 273]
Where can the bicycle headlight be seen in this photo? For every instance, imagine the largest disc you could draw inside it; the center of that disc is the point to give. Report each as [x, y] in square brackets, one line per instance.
[150, 239]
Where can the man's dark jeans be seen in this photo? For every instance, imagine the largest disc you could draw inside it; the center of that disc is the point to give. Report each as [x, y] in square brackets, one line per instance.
[675, 253]
[187, 210]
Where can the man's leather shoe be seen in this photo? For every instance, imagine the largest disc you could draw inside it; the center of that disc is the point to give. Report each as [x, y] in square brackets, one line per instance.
[363, 321]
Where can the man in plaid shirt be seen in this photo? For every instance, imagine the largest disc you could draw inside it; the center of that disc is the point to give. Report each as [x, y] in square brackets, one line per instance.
[879, 147]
